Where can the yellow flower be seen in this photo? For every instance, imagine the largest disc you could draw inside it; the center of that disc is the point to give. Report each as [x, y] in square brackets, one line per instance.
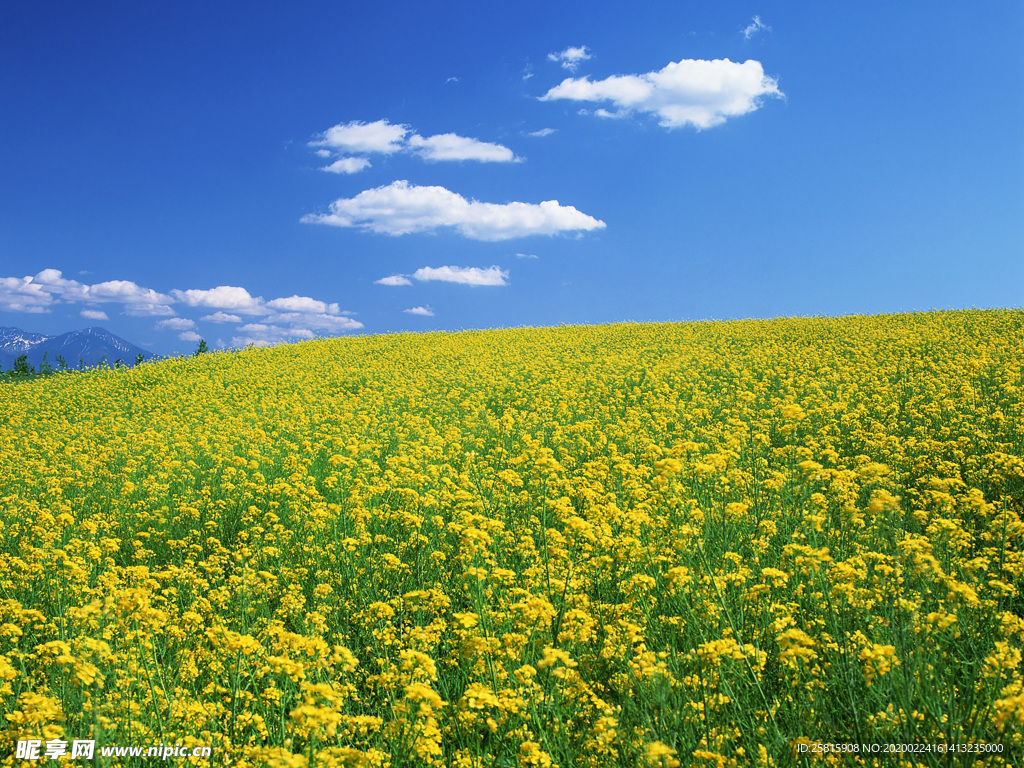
[877, 660]
[479, 696]
[796, 644]
[657, 753]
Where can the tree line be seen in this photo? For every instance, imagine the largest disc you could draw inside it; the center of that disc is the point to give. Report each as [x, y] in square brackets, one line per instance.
[23, 369]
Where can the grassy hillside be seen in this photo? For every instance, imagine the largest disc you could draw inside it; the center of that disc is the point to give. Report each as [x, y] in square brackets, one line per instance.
[698, 544]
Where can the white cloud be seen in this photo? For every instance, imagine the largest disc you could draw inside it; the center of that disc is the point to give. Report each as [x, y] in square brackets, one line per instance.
[347, 165]
[138, 300]
[450, 146]
[693, 92]
[263, 335]
[571, 57]
[394, 280]
[424, 311]
[296, 315]
[38, 293]
[303, 304]
[463, 275]
[222, 297]
[755, 26]
[526, 256]
[19, 294]
[541, 133]
[245, 341]
[124, 291]
[325, 322]
[358, 137]
[176, 324]
[189, 336]
[602, 112]
[221, 317]
[401, 208]
[148, 310]
[52, 282]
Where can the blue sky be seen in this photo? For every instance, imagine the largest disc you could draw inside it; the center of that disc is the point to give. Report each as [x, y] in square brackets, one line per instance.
[267, 172]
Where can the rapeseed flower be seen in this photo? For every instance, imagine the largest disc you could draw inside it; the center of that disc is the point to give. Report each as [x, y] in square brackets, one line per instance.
[527, 547]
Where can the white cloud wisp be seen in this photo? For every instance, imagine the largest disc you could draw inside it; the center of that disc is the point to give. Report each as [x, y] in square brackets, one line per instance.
[451, 146]
[402, 208]
[221, 317]
[694, 92]
[283, 319]
[222, 297]
[393, 280]
[38, 293]
[462, 275]
[347, 165]
[303, 304]
[422, 311]
[353, 141]
[176, 324]
[263, 335]
[571, 57]
[20, 294]
[755, 26]
[358, 137]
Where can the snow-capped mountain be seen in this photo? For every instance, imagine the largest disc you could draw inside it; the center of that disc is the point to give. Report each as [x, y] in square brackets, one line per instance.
[16, 341]
[78, 348]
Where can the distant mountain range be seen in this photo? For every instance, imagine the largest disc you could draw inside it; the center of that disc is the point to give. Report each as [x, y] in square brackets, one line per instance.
[78, 348]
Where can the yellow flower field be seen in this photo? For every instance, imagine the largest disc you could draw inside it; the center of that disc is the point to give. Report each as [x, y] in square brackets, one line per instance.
[707, 544]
